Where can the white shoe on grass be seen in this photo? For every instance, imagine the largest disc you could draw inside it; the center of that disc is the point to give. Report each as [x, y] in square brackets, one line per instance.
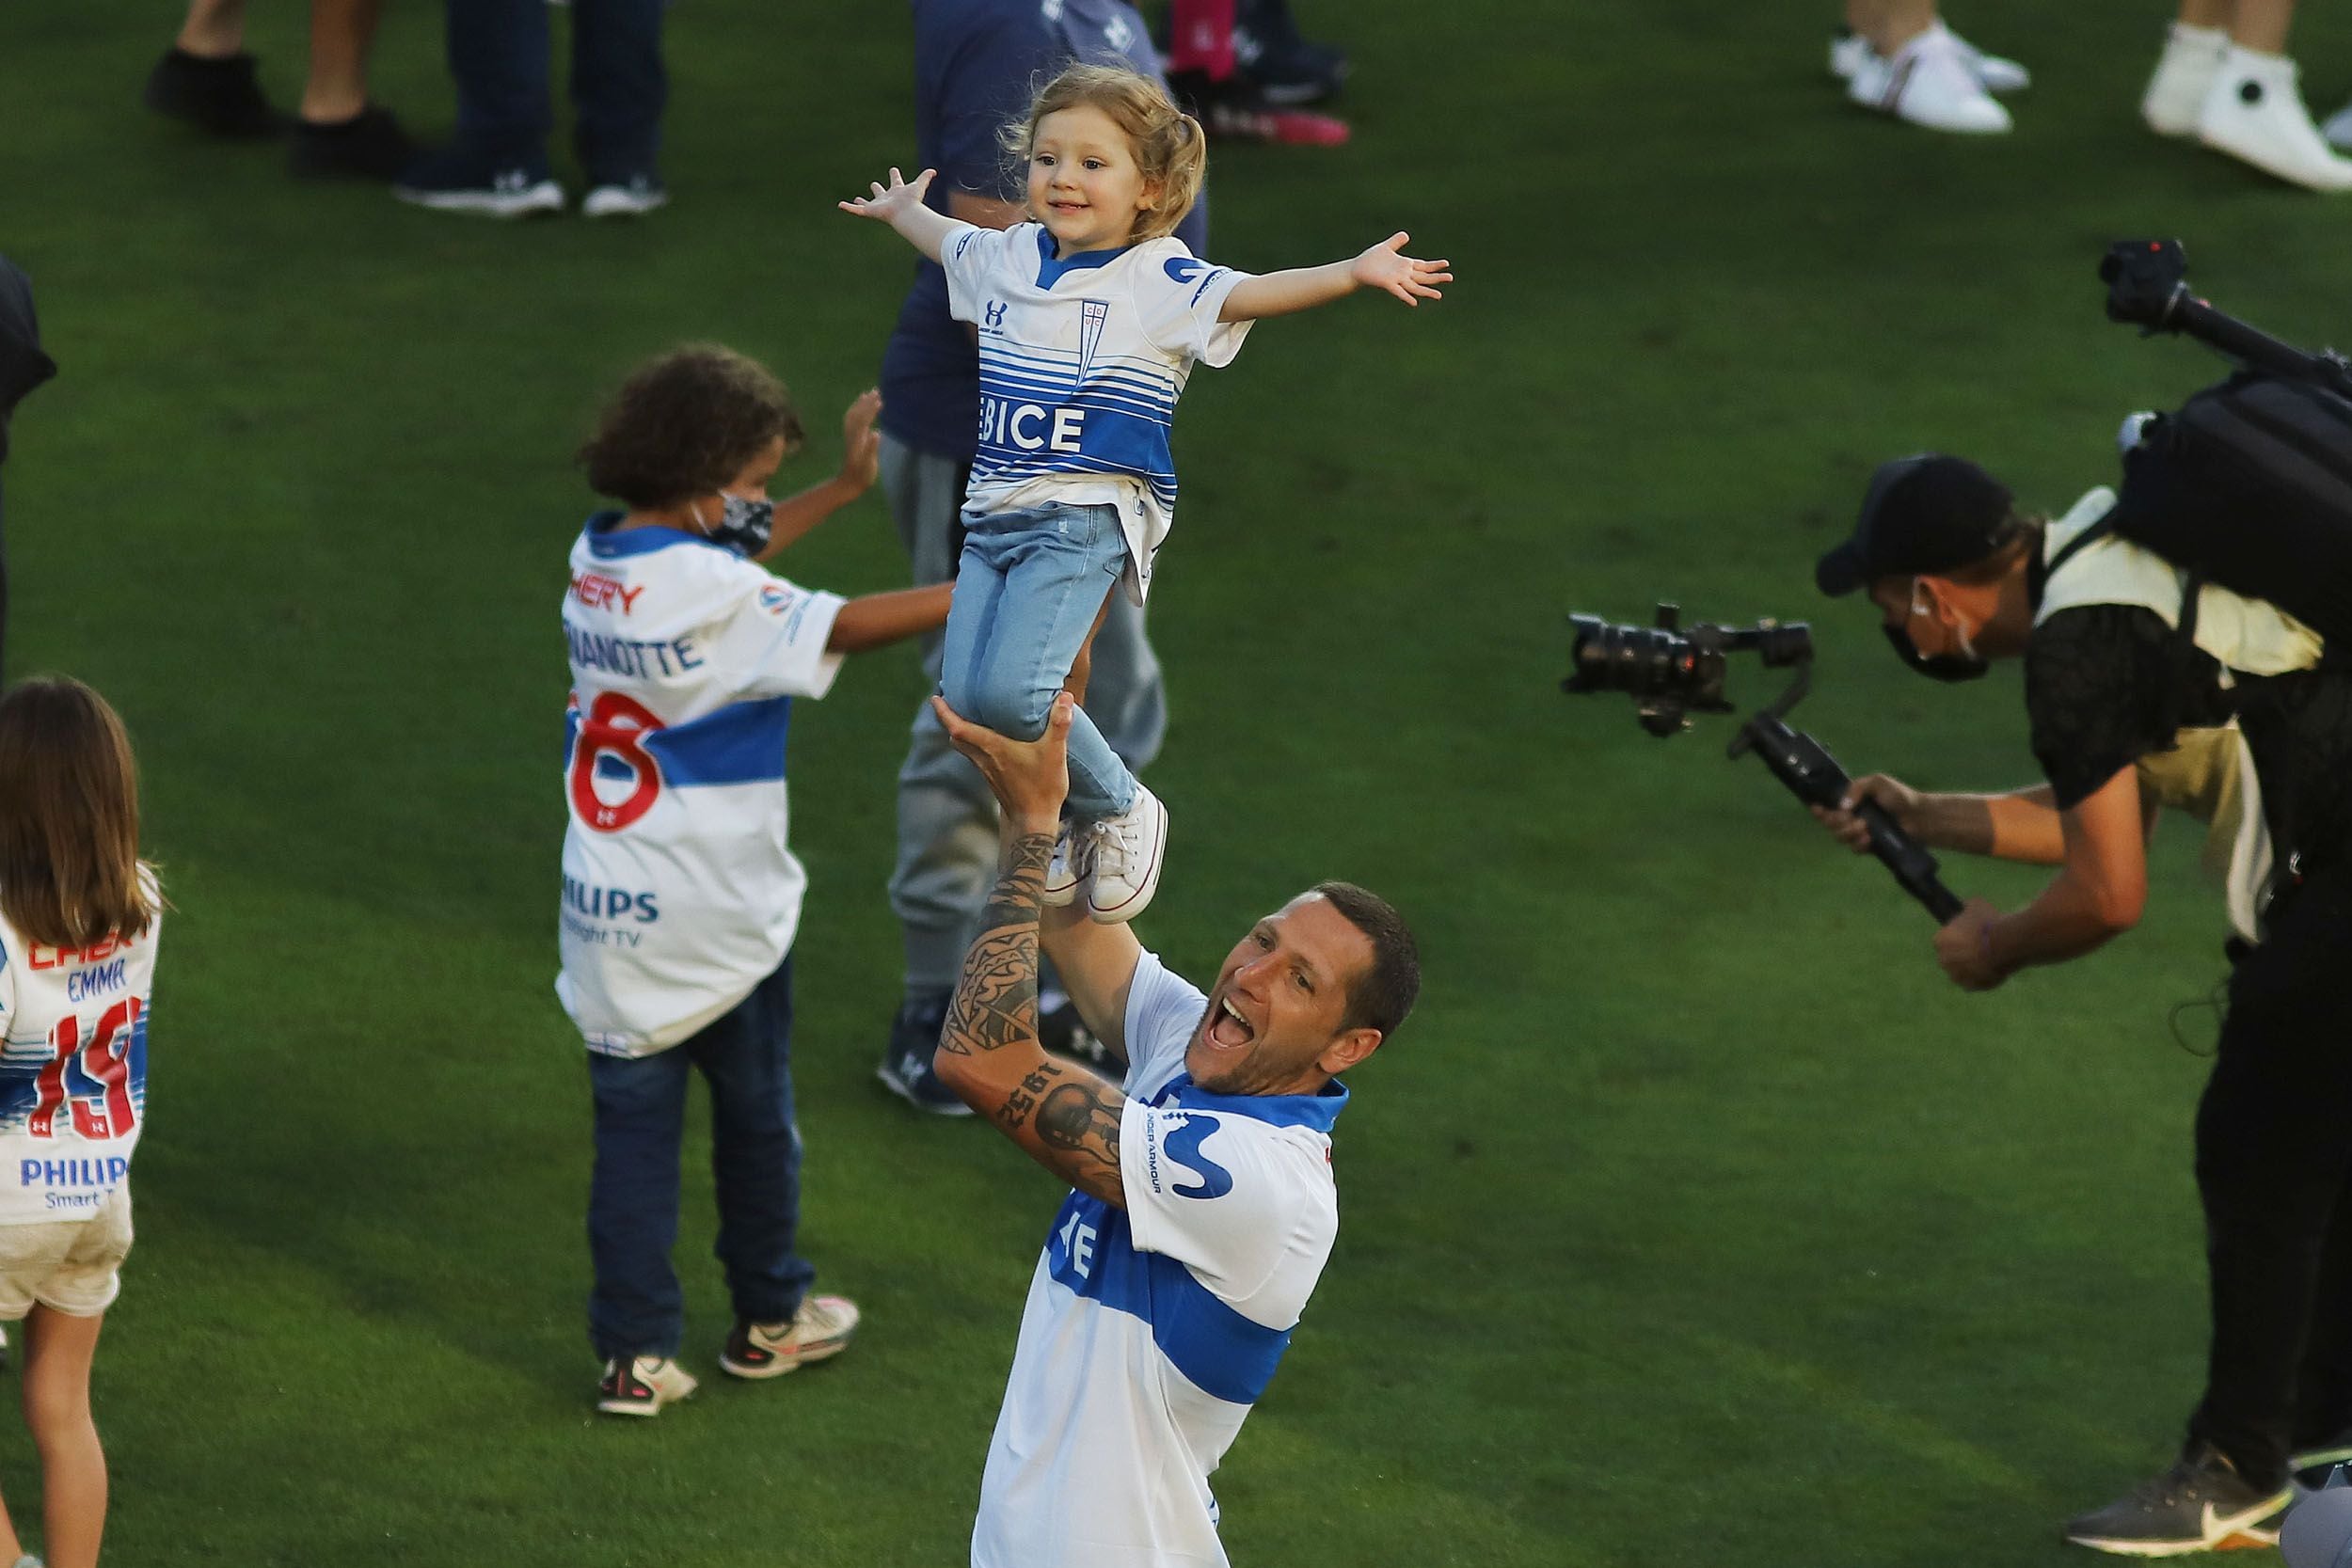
[1929, 81]
[641, 1384]
[821, 1329]
[1848, 51]
[1124, 855]
[2254, 112]
[2185, 74]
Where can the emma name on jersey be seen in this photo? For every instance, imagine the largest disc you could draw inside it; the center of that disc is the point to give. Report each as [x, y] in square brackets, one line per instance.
[625, 655]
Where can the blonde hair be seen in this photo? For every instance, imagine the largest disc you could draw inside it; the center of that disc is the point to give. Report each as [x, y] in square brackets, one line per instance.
[69, 871]
[1172, 152]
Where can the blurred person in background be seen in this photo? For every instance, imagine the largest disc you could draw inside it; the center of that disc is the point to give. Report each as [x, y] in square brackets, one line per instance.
[23, 367]
[2225, 78]
[497, 165]
[79, 916]
[1243, 69]
[1897, 56]
[207, 79]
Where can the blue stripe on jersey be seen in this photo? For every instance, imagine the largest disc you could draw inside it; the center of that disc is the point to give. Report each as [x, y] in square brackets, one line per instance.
[608, 545]
[741, 743]
[1221, 1352]
[1122, 442]
[1061, 372]
[1315, 1112]
[1048, 396]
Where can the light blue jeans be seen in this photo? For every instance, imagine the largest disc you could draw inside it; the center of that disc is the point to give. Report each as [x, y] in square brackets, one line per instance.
[1028, 591]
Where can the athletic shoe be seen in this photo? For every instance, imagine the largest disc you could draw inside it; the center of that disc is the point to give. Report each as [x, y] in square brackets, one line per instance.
[2254, 112]
[2200, 1505]
[1237, 110]
[2337, 129]
[1067, 871]
[370, 145]
[1927, 82]
[1064, 1034]
[641, 1384]
[906, 1067]
[1848, 51]
[221, 98]
[2184, 72]
[1286, 67]
[821, 1329]
[629, 197]
[1125, 853]
[456, 180]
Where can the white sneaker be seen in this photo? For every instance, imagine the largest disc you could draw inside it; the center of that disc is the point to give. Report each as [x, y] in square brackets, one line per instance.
[1067, 871]
[821, 1329]
[641, 1384]
[2337, 128]
[1928, 83]
[2184, 72]
[632, 197]
[1126, 855]
[1848, 51]
[2254, 112]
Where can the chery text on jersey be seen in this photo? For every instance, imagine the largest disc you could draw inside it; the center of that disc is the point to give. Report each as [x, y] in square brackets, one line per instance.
[1081, 363]
[680, 891]
[1151, 1329]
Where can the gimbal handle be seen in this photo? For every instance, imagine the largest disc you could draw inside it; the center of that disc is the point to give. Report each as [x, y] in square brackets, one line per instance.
[1813, 776]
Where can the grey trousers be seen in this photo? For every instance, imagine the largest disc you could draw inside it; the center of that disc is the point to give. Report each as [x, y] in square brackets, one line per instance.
[947, 817]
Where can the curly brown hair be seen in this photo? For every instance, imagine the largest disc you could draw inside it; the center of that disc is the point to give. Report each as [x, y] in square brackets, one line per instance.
[684, 424]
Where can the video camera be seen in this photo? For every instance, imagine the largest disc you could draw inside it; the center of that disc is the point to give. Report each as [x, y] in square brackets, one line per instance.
[2147, 287]
[1671, 674]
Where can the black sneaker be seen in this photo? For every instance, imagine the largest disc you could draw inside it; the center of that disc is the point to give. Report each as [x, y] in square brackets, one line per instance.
[221, 98]
[1290, 69]
[369, 146]
[457, 179]
[1064, 1034]
[906, 1067]
[2201, 1504]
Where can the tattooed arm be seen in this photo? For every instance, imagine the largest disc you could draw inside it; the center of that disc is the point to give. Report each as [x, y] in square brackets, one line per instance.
[1066, 1117]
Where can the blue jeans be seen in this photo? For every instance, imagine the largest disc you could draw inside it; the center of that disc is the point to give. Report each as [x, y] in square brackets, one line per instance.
[636, 1307]
[498, 52]
[1028, 591]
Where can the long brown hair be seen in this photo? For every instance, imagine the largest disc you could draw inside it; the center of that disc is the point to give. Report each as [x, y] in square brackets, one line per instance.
[69, 871]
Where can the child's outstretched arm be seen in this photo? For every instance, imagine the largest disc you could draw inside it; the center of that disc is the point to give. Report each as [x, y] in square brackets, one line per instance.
[878, 619]
[1384, 266]
[902, 207]
[861, 460]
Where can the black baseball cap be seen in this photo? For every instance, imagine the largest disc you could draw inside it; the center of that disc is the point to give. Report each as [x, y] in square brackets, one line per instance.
[1922, 516]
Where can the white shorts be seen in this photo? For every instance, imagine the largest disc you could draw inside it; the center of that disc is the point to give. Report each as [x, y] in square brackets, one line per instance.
[70, 1266]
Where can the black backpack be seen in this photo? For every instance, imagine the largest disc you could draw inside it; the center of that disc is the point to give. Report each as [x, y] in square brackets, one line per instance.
[2248, 484]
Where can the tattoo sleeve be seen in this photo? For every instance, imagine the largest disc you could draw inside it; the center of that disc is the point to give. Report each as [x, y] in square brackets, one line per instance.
[995, 1001]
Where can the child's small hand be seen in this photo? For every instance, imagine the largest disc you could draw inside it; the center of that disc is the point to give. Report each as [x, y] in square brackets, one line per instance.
[887, 204]
[1386, 266]
[861, 443]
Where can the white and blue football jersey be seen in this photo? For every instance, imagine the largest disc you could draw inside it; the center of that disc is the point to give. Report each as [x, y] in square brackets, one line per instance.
[1151, 1329]
[680, 891]
[73, 1069]
[1080, 364]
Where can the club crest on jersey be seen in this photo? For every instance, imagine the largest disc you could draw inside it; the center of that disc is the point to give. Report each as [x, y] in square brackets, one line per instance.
[776, 599]
[1093, 313]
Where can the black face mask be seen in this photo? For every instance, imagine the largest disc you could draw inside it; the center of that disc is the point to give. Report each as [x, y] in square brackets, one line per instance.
[1949, 668]
[744, 524]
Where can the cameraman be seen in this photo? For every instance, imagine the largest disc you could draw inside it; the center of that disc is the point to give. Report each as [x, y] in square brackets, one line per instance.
[2119, 661]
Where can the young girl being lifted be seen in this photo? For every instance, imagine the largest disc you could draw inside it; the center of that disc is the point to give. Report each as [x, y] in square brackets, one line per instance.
[1090, 319]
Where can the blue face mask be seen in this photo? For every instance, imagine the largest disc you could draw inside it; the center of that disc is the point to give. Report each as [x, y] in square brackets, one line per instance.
[744, 524]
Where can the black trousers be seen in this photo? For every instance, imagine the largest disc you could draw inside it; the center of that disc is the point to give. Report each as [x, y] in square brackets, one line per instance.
[2274, 1169]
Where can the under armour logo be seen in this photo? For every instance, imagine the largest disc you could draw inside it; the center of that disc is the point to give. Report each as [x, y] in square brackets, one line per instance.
[995, 312]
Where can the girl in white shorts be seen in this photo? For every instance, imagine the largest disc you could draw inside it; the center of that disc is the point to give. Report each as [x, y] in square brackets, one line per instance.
[79, 913]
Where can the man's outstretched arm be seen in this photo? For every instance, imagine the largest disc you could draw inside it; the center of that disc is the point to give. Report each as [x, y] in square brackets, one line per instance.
[1066, 1117]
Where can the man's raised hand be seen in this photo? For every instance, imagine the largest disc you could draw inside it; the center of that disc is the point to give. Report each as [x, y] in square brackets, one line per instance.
[1386, 266]
[1030, 778]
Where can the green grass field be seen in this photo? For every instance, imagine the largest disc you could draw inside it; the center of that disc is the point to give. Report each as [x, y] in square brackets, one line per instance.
[1696, 1217]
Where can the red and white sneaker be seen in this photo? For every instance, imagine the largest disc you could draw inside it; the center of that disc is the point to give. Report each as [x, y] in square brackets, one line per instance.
[823, 1328]
[641, 1384]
